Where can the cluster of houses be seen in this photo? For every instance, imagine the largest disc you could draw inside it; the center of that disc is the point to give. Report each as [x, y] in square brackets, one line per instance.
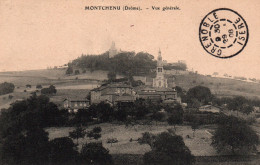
[120, 93]
[159, 90]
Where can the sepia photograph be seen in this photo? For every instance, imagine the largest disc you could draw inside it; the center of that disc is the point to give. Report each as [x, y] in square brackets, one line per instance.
[129, 82]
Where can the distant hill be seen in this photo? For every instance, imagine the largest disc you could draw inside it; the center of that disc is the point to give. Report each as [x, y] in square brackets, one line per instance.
[220, 86]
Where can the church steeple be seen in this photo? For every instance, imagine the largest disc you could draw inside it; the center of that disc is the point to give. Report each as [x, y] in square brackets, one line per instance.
[159, 58]
[160, 81]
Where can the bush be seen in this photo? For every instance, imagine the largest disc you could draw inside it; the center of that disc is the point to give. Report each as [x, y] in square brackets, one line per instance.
[76, 72]
[97, 129]
[39, 86]
[28, 86]
[112, 140]
[50, 90]
[201, 93]
[6, 88]
[95, 153]
[62, 150]
[169, 149]
[10, 96]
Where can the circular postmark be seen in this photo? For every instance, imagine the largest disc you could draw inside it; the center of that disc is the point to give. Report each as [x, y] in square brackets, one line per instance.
[223, 33]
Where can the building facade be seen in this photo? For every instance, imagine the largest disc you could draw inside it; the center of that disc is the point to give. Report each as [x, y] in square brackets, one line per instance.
[112, 93]
[160, 81]
[158, 94]
[75, 104]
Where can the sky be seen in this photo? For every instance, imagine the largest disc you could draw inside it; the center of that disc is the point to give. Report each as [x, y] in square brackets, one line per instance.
[36, 34]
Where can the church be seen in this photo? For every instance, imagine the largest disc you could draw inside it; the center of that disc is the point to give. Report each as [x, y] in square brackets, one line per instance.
[160, 81]
[159, 88]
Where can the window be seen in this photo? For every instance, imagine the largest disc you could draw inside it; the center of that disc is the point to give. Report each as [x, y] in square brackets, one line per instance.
[80, 104]
[159, 69]
[85, 104]
[75, 104]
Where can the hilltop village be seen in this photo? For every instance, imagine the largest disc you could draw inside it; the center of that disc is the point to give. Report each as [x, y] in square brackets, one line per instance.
[157, 89]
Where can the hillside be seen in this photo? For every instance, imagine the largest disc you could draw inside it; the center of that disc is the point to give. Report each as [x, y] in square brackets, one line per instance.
[218, 86]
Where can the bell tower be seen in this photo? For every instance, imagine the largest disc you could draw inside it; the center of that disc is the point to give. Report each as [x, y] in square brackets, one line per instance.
[160, 81]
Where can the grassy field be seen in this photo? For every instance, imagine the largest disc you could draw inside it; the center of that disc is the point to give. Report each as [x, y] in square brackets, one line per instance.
[128, 153]
[57, 77]
[67, 86]
[220, 86]
[199, 145]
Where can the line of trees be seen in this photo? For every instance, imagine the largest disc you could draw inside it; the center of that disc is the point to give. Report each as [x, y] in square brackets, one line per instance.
[126, 63]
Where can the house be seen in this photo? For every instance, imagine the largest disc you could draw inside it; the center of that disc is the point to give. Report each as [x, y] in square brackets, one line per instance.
[209, 108]
[167, 95]
[112, 93]
[75, 104]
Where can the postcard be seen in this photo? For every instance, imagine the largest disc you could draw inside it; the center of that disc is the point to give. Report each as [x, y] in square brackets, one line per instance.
[129, 82]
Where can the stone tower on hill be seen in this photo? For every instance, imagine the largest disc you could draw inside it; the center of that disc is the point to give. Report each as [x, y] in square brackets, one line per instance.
[112, 51]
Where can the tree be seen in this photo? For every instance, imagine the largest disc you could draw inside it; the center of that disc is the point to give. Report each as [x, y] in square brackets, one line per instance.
[95, 133]
[62, 150]
[79, 132]
[52, 89]
[169, 149]
[83, 116]
[236, 103]
[23, 139]
[76, 72]
[176, 115]
[247, 109]
[49, 91]
[147, 138]
[194, 126]
[234, 136]
[69, 70]
[174, 119]
[39, 86]
[158, 116]
[6, 88]
[104, 112]
[111, 76]
[95, 153]
[28, 85]
[201, 93]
